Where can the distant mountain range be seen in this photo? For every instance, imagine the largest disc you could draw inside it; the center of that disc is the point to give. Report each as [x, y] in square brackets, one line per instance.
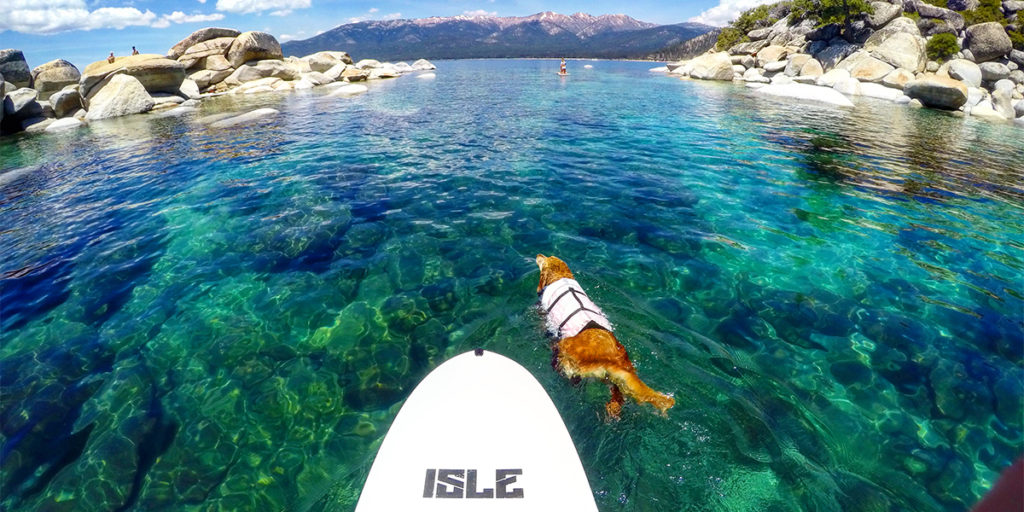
[545, 34]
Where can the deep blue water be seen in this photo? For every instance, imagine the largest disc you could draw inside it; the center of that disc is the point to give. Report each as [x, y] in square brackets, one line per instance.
[202, 319]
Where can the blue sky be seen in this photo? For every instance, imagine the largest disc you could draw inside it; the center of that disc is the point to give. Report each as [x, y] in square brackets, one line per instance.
[83, 31]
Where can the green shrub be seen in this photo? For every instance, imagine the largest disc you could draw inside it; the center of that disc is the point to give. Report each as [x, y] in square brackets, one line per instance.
[730, 37]
[750, 19]
[1017, 38]
[987, 10]
[913, 15]
[942, 46]
[825, 12]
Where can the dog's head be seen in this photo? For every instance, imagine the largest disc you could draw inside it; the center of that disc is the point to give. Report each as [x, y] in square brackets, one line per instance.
[551, 269]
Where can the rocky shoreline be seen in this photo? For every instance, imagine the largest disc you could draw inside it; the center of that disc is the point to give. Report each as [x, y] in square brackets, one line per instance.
[882, 55]
[209, 62]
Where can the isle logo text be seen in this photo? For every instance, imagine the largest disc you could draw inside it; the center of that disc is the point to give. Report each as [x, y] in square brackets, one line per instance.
[463, 483]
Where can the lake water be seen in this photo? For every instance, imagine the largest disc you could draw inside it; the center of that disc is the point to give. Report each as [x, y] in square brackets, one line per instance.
[203, 319]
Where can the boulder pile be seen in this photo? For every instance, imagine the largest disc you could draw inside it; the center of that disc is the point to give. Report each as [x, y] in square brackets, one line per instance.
[210, 61]
[881, 55]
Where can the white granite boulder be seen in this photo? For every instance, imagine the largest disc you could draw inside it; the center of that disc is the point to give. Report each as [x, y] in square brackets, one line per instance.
[771, 53]
[938, 92]
[898, 79]
[884, 12]
[199, 36]
[712, 66]
[66, 101]
[426, 65]
[367, 64]
[994, 71]
[54, 76]
[795, 62]
[963, 70]
[987, 41]
[812, 68]
[206, 77]
[118, 95]
[253, 46]
[901, 50]
[22, 103]
[323, 61]
[806, 92]
[195, 57]
[849, 86]
[830, 78]
[752, 75]
[866, 68]
[880, 91]
[155, 72]
[384, 71]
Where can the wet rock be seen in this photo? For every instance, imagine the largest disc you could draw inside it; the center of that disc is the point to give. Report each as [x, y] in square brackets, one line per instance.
[246, 118]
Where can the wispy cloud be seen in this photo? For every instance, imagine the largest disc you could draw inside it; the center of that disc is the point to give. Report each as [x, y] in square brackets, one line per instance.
[371, 14]
[53, 16]
[180, 17]
[251, 6]
[726, 11]
[480, 12]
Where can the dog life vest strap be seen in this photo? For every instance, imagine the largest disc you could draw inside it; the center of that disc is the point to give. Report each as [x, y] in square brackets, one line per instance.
[569, 310]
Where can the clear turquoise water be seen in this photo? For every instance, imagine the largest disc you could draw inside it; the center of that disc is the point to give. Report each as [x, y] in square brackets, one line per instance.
[200, 319]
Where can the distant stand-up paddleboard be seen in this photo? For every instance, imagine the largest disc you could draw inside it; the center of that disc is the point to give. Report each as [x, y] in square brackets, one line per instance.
[563, 74]
[478, 432]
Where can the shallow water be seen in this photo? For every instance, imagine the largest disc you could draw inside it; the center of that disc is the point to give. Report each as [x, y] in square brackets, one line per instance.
[201, 319]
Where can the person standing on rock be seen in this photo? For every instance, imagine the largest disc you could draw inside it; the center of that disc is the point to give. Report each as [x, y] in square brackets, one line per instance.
[111, 58]
[134, 51]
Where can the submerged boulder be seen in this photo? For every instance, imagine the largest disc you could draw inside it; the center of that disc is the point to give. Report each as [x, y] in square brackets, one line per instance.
[54, 76]
[253, 46]
[938, 92]
[118, 95]
[245, 118]
[806, 92]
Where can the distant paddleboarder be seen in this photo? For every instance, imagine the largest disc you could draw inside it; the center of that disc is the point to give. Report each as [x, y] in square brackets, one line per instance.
[561, 70]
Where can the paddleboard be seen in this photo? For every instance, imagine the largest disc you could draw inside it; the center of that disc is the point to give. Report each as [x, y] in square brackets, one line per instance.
[563, 74]
[478, 433]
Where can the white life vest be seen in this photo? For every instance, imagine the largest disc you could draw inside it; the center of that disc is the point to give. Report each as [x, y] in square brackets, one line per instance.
[569, 310]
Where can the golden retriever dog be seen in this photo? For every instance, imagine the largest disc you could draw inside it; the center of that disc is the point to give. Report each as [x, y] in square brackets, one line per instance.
[586, 346]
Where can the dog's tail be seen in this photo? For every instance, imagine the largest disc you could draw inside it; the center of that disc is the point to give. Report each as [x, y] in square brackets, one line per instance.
[635, 388]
